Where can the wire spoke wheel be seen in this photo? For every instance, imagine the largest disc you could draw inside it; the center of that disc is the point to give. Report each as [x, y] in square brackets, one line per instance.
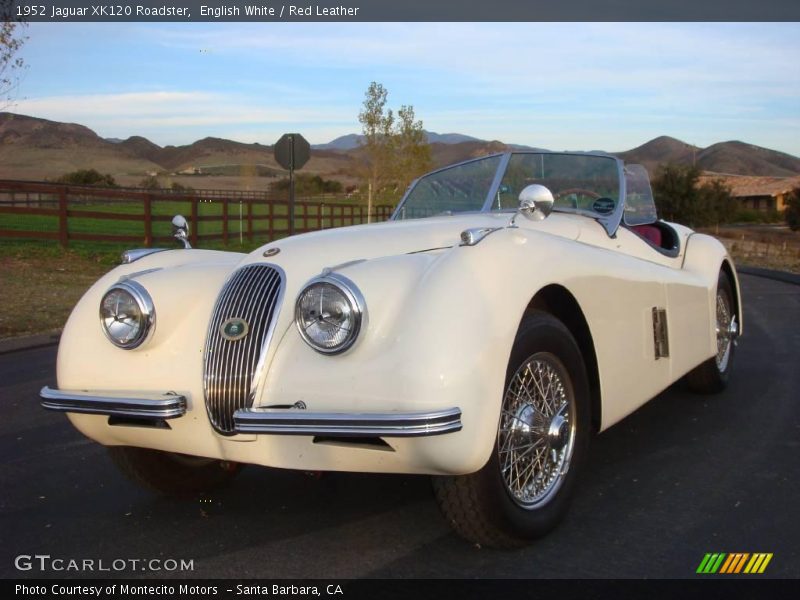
[726, 329]
[524, 489]
[711, 376]
[536, 433]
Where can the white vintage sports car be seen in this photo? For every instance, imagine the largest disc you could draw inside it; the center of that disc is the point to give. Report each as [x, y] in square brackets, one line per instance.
[513, 306]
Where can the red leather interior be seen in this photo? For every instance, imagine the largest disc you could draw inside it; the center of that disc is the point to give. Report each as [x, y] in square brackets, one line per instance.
[649, 232]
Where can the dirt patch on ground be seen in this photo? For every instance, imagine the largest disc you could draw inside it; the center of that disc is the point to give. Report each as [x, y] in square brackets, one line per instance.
[38, 293]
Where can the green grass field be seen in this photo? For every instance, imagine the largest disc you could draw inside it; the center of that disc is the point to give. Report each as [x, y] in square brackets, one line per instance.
[210, 223]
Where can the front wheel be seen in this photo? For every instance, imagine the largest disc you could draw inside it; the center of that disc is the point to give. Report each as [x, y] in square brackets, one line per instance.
[524, 489]
[171, 473]
[712, 375]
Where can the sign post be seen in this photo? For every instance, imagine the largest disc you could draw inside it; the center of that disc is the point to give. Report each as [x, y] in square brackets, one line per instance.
[292, 151]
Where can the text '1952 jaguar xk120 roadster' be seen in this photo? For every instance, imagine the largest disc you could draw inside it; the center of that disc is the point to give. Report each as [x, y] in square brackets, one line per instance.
[514, 305]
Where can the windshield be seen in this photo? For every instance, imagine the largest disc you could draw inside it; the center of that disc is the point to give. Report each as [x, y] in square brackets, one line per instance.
[588, 184]
[462, 188]
[640, 208]
[579, 182]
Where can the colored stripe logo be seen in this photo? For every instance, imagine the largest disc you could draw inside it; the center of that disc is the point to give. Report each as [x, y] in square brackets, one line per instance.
[734, 563]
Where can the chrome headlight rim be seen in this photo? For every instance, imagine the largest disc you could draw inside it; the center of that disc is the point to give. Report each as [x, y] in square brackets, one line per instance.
[358, 307]
[146, 307]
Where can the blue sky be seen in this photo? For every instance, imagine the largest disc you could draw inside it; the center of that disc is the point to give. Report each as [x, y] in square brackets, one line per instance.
[579, 86]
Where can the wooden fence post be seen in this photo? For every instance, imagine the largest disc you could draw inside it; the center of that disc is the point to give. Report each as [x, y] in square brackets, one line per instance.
[63, 233]
[148, 220]
[195, 223]
[225, 221]
[249, 220]
[270, 221]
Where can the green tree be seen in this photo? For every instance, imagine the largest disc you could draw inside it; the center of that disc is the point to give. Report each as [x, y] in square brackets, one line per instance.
[412, 151]
[11, 65]
[716, 202]
[150, 183]
[87, 177]
[179, 187]
[376, 125]
[681, 198]
[792, 213]
[310, 185]
[675, 191]
[395, 147]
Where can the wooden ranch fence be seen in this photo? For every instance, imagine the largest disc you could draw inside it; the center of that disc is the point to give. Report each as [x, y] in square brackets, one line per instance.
[66, 213]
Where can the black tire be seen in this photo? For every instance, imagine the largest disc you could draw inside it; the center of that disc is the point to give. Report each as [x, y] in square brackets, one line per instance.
[712, 376]
[482, 507]
[173, 474]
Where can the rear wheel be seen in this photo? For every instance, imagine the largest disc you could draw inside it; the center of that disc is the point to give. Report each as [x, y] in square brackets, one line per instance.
[524, 489]
[712, 376]
[171, 473]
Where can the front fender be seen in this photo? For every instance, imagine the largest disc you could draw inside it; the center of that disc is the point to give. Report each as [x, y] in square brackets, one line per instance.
[441, 328]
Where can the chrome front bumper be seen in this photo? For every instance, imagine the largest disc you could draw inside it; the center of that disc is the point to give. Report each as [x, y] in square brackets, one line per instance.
[115, 404]
[341, 424]
[260, 420]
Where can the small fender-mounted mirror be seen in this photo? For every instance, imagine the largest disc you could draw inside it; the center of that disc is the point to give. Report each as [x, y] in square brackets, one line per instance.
[536, 202]
[180, 230]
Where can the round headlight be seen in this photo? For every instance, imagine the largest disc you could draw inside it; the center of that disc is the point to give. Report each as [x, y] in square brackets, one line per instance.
[127, 314]
[329, 312]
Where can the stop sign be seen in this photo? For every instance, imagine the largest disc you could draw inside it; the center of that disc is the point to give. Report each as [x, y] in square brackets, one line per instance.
[292, 151]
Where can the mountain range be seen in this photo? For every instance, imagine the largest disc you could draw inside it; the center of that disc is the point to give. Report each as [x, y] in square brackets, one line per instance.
[352, 141]
[35, 149]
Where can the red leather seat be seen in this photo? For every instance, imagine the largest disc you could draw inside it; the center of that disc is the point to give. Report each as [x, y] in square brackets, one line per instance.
[649, 232]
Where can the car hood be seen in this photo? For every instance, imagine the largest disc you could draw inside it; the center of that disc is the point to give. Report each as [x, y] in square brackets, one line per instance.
[336, 246]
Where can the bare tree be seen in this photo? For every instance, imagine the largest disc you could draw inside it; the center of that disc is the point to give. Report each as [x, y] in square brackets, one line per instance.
[11, 65]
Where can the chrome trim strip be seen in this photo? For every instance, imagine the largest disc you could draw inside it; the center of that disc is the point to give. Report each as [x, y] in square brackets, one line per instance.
[495, 185]
[130, 256]
[140, 405]
[340, 424]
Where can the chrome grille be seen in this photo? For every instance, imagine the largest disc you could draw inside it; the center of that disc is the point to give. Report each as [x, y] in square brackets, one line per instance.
[253, 295]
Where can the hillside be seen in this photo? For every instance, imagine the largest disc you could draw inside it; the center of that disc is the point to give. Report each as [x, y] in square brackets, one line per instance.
[738, 158]
[660, 150]
[352, 141]
[33, 148]
[36, 149]
[735, 158]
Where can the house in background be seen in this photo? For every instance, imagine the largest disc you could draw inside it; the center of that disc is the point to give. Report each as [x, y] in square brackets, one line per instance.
[763, 194]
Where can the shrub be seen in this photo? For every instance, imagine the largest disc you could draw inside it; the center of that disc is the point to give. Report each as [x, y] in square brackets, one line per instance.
[792, 213]
[87, 177]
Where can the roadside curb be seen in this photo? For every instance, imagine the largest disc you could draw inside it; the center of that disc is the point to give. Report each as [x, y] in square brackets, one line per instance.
[29, 342]
[783, 276]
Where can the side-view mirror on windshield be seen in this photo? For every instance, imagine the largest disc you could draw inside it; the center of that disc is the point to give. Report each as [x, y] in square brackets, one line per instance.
[535, 202]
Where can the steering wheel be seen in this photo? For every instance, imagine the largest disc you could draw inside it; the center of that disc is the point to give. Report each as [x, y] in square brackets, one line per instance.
[592, 195]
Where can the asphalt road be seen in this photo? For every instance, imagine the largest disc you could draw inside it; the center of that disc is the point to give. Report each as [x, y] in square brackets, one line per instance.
[683, 476]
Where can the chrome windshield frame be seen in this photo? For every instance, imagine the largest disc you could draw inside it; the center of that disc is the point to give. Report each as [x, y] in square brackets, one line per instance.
[610, 222]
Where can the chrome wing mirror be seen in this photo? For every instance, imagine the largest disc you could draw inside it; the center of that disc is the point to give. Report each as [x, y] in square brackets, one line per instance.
[535, 202]
[180, 230]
